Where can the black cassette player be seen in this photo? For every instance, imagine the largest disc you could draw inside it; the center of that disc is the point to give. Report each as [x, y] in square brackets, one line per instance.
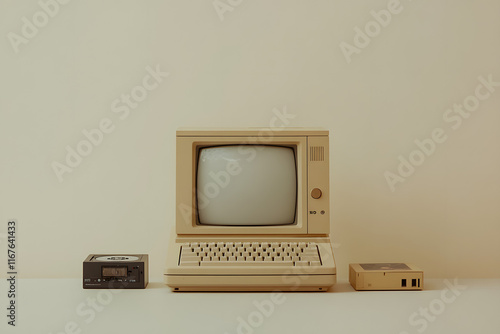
[125, 271]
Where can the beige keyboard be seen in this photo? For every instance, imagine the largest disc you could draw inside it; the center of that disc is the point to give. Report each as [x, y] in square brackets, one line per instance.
[249, 254]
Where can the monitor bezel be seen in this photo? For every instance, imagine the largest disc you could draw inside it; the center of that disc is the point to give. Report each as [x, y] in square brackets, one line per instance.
[187, 157]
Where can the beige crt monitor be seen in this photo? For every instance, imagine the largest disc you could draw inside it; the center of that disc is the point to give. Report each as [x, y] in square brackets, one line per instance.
[252, 211]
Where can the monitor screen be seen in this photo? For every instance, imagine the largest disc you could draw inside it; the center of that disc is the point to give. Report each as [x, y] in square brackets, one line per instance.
[246, 185]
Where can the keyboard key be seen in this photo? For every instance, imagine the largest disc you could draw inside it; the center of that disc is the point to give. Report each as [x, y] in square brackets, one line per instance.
[189, 257]
[301, 263]
[190, 263]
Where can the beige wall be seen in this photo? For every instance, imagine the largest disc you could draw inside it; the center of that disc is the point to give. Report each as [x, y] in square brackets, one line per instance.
[265, 55]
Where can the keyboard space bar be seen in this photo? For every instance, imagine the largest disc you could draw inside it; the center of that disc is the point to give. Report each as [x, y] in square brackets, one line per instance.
[246, 264]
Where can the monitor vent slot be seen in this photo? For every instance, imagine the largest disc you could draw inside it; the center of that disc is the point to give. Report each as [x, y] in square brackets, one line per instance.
[317, 153]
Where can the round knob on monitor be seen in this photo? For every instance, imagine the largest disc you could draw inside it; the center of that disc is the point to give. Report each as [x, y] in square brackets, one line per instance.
[316, 193]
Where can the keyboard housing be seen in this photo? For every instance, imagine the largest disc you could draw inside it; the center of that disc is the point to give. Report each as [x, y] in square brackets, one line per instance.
[286, 263]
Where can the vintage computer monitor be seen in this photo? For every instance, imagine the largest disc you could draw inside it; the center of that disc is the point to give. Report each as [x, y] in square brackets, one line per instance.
[252, 211]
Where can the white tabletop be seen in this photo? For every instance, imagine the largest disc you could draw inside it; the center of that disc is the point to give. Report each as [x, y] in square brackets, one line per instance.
[62, 306]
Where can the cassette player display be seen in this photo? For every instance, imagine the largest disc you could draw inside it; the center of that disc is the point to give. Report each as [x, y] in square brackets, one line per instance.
[125, 271]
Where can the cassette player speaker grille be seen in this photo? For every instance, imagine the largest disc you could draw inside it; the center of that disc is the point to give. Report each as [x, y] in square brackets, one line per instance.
[317, 153]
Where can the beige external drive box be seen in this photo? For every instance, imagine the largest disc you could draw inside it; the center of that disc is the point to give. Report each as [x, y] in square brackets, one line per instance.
[385, 276]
